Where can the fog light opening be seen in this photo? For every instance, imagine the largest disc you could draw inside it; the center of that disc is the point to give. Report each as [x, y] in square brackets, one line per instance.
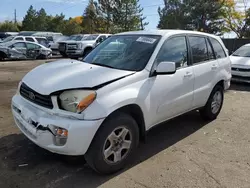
[60, 135]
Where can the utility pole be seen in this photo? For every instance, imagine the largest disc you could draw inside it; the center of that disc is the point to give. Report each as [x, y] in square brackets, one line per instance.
[142, 27]
[15, 20]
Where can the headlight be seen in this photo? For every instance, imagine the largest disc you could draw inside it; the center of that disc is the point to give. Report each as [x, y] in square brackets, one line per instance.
[76, 100]
[18, 88]
[79, 46]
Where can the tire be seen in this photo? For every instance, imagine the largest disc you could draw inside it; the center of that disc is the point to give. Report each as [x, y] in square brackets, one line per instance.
[86, 52]
[63, 54]
[208, 112]
[2, 56]
[95, 156]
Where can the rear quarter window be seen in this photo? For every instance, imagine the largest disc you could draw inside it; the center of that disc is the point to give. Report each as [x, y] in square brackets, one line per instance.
[218, 49]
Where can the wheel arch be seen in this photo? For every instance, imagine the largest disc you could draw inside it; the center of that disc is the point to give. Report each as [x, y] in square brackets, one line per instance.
[3, 54]
[136, 113]
[220, 83]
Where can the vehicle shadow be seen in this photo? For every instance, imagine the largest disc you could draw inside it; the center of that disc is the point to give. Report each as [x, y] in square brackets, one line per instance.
[26, 165]
[240, 86]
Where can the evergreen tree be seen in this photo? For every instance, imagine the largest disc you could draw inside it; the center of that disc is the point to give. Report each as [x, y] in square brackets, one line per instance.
[29, 21]
[127, 16]
[193, 15]
[41, 20]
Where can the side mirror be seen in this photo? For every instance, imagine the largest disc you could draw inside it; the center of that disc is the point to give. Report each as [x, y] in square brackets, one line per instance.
[166, 67]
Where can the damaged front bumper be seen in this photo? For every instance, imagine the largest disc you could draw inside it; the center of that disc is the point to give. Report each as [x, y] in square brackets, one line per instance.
[37, 124]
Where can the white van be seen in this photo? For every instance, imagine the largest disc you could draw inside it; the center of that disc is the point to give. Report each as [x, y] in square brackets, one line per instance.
[102, 106]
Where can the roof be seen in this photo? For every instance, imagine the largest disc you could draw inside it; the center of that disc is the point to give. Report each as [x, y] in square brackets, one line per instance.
[164, 32]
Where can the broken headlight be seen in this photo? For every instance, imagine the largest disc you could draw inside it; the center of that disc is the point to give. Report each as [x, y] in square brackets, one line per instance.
[76, 100]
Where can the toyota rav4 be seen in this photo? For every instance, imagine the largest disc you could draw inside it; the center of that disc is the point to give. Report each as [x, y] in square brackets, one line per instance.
[102, 106]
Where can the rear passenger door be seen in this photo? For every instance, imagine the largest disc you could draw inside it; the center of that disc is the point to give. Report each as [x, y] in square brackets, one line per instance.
[205, 68]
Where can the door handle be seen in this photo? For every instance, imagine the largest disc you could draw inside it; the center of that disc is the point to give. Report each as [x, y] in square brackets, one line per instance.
[214, 67]
[188, 74]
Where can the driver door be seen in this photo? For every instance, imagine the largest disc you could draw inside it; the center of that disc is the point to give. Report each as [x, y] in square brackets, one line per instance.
[172, 94]
[33, 50]
[19, 50]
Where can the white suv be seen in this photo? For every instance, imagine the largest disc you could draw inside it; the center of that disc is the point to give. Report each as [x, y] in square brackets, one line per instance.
[103, 106]
[40, 40]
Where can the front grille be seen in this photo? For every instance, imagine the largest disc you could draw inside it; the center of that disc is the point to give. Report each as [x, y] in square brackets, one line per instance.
[240, 69]
[71, 46]
[33, 96]
[62, 47]
[241, 77]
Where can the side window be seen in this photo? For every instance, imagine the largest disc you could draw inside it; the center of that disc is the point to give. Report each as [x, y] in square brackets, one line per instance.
[218, 50]
[31, 46]
[19, 45]
[18, 38]
[42, 41]
[174, 50]
[101, 39]
[29, 39]
[199, 49]
[209, 50]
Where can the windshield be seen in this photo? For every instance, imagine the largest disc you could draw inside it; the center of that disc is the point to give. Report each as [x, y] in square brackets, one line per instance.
[8, 39]
[91, 37]
[124, 52]
[243, 51]
[76, 37]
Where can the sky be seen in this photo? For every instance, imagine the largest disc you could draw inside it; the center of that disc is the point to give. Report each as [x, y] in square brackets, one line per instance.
[70, 8]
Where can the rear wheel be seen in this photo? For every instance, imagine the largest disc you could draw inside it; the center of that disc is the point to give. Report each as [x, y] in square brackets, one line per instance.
[2, 56]
[114, 144]
[214, 104]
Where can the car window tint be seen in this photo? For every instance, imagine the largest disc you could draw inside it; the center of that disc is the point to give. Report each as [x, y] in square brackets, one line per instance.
[218, 50]
[29, 39]
[32, 46]
[42, 41]
[18, 38]
[19, 45]
[174, 50]
[209, 50]
[199, 49]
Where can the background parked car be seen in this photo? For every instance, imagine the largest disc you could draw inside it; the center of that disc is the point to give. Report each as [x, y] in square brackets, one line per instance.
[62, 45]
[241, 64]
[82, 47]
[54, 43]
[3, 35]
[41, 40]
[24, 50]
[39, 33]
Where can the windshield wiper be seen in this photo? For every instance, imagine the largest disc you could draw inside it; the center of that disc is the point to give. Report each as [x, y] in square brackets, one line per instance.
[102, 65]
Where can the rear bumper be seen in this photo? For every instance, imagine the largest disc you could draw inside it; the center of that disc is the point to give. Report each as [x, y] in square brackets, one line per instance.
[34, 124]
[227, 84]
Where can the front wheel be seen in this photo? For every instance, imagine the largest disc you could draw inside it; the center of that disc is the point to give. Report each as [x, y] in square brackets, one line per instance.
[214, 104]
[114, 144]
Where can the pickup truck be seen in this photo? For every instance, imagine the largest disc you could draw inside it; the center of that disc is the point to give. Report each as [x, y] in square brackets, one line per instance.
[82, 46]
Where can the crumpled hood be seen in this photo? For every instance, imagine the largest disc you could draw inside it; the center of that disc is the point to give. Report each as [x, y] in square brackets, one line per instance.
[240, 61]
[69, 74]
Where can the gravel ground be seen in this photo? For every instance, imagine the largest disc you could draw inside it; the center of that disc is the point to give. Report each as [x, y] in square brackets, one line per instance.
[185, 152]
